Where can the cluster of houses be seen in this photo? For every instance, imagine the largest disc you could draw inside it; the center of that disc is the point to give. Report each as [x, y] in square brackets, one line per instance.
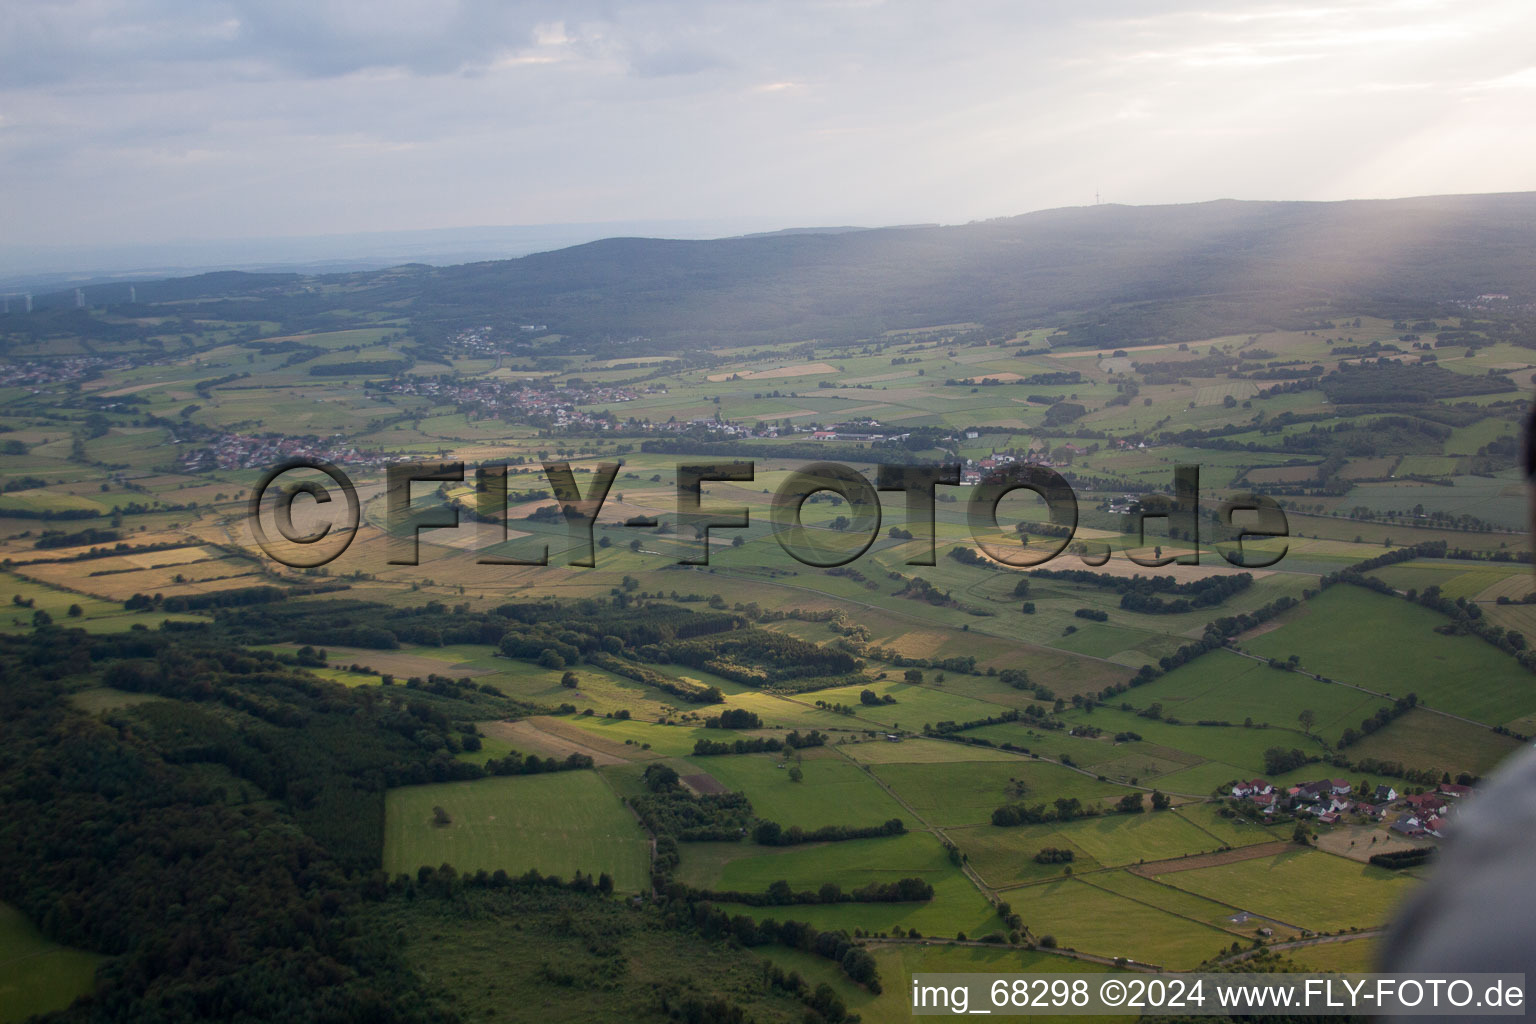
[243, 451]
[558, 405]
[27, 373]
[859, 430]
[1419, 816]
[975, 470]
[484, 340]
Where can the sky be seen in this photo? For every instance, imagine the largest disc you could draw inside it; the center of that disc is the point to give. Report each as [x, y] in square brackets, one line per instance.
[140, 121]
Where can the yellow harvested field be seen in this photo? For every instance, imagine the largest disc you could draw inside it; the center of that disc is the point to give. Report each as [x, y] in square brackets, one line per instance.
[798, 370]
[919, 643]
[155, 559]
[471, 536]
[1094, 353]
[1514, 587]
[574, 734]
[1361, 842]
[131, 389]
[527, 737]
[203, 578]
[1118, 565]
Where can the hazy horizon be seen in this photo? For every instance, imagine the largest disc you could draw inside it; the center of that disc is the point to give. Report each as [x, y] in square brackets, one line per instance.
[23, 268]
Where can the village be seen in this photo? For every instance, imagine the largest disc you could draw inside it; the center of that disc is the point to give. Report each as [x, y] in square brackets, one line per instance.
[542, 403]
[1427, 815]
[244, 451]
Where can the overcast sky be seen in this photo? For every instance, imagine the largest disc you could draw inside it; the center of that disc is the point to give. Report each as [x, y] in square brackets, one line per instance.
[127, 121]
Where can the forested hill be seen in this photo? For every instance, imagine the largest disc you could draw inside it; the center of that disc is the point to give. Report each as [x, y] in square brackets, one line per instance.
[1116, 272]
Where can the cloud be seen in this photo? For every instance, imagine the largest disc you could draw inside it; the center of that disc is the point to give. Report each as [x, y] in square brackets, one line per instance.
[52, 41]
[678, 61]
[157, 118]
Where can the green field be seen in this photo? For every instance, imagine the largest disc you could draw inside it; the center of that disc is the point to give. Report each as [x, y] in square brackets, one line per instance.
[38, 976]
[1342, 957]
[558, 823]
[832, 792]
[1175, 901]
[1227, 831]
[1203, 779]
[1005, 856]
[747, 867]
[919, 751]
[956, 907]
[1222, 686]
[1423, 739]
[1285, 887]
[1092, 920]
[1389, 645]
[967, 793]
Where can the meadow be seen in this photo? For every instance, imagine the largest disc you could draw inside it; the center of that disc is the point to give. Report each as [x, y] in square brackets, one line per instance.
[1174, 901]
[1389, 645]
[1005, 856]
[1437, 742]
[1084, 917]
[956, 908]
[747, 867]
[1340, 957]
[967, 793]
[833, 791]
[558, 823]
[38, 976]
[1285, 887]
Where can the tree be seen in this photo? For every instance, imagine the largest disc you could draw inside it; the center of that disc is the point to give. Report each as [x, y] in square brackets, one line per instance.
[767, 833]
[441, 817]
[570, 681]
[659, 776]
[860, 966]
[551, 658]
[1307, 718]
[1300, 835]
[1160, 801]
[75, 611]
[795, 774]
[913, 675]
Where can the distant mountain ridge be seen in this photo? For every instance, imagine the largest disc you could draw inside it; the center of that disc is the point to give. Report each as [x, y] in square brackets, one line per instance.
[1128, 272]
